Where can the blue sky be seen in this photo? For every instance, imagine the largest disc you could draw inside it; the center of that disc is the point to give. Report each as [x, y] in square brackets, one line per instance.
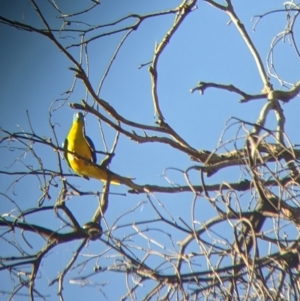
[35, 75]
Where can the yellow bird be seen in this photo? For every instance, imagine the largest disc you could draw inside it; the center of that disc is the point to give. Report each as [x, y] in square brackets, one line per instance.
[79, 151]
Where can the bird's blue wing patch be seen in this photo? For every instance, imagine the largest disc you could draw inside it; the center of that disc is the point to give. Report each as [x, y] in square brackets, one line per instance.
[92, 147]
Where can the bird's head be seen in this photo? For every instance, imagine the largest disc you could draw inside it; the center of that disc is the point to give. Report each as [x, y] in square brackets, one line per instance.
[78, 117]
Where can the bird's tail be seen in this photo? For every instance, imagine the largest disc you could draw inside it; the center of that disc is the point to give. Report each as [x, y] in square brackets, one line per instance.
[103, 174]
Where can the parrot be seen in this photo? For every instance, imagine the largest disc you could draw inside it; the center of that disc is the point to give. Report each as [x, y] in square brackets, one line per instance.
[79, 152]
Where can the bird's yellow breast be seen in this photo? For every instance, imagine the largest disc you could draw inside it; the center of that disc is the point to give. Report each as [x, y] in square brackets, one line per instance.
[80, 149]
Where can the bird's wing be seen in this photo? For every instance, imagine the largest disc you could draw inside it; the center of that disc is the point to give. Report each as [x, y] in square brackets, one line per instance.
[92, 148]
[65, 147]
